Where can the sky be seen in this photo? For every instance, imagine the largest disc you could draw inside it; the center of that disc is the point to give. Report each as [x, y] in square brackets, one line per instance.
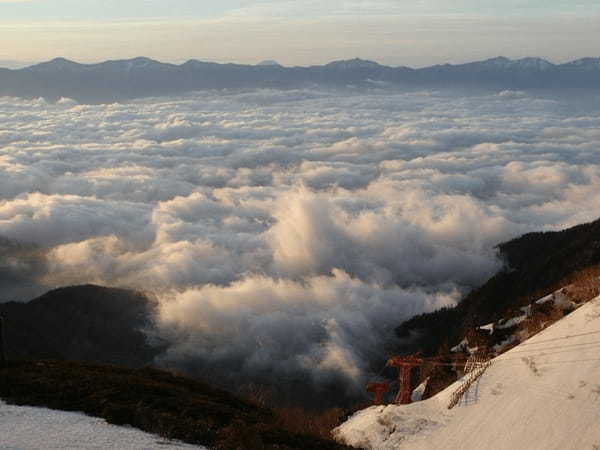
[300, 32]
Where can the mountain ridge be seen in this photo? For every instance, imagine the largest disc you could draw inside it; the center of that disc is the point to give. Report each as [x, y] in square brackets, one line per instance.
[105, 326]
[498, 61]
[535, 264]
[126, 79]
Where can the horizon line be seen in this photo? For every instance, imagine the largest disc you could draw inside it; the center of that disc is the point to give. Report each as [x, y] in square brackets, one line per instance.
[500, 57]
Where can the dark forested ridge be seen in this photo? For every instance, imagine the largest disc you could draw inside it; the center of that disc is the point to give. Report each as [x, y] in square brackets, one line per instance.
[535, 265]
[83, 323]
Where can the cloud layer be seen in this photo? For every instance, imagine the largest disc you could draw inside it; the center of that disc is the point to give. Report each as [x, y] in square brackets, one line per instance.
[287, 233]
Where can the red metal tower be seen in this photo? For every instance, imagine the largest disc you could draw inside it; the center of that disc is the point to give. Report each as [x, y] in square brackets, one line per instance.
[378, 390]
[404, 364]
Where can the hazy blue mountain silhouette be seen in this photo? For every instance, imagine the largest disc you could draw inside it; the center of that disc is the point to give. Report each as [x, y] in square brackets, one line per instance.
[142, 77]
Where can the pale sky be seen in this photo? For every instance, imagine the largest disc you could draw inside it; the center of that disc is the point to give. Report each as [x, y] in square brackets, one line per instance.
[299, 32]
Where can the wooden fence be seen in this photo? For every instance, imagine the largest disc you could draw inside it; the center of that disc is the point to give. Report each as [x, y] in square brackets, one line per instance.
[475, 367]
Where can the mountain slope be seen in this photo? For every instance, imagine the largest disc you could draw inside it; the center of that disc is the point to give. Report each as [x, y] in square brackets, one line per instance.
[83, 323]
[542, 394]
[536, 264]
[152, 400]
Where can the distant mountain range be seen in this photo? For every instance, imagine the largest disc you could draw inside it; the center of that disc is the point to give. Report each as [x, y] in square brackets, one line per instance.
[10, 64]
[142, 77]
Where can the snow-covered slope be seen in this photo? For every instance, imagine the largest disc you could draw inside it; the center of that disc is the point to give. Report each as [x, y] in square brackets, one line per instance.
[39, 428]
[542, 394]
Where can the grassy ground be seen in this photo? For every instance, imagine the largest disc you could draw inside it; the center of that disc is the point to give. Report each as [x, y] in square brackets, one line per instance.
[155, 401]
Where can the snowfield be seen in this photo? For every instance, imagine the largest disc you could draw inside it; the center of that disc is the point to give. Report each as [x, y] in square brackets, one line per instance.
[39, 428]
[542, 394]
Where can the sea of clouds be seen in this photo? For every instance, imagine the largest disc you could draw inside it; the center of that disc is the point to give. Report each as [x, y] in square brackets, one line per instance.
[286, 233]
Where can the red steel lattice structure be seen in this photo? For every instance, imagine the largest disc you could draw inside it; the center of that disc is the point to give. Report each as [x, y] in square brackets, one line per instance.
[378, 390]
[404, 364]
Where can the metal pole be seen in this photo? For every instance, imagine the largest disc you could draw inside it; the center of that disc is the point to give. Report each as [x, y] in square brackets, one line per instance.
[404, 364]
[403, 397]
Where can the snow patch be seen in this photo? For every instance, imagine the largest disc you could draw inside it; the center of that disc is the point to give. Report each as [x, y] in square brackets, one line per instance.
[505, 343]
[511, 406]
[503, 324]
[23, 427]
[462, 346]
[419, 391]
[489, 327]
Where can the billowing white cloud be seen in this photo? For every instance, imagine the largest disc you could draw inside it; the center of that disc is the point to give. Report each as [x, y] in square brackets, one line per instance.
[322, 330]
[287, 233]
